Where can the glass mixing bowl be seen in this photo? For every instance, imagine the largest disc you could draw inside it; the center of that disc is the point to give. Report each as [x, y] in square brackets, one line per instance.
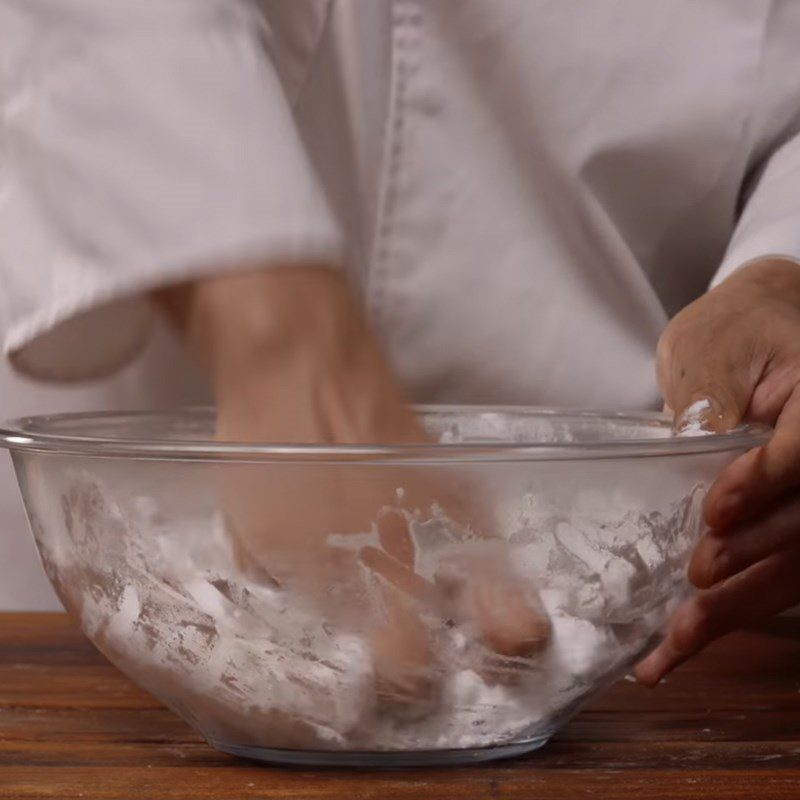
[340, 604]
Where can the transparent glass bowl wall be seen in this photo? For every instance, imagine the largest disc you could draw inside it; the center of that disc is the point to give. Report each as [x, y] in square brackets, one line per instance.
[595, 513]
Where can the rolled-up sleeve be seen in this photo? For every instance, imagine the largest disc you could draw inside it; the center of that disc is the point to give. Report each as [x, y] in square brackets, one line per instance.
[769, 224]
[141, 144]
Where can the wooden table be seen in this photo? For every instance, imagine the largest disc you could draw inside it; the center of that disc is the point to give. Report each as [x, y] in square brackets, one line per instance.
[725, 726]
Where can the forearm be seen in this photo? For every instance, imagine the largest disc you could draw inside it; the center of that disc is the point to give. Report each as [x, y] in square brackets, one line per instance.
[291, 357]
[263, 317]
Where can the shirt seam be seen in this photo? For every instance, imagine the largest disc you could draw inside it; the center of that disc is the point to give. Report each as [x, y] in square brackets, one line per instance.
[404, 42]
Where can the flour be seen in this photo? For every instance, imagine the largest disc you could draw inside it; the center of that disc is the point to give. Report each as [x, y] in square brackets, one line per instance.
[248, 662]
[693, 419]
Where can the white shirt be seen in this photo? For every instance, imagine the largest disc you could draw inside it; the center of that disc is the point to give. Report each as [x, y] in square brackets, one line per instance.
[524, 190]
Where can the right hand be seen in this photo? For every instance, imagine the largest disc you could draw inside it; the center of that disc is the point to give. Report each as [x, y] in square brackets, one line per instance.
[293, 360]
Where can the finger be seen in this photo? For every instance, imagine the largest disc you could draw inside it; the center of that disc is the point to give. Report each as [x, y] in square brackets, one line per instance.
[718, 557]
[394, 536]
[758, 593]
[701, 384]
[755, 479]
[482, 590]
[397, 574]
[506, 619]
[405, 668]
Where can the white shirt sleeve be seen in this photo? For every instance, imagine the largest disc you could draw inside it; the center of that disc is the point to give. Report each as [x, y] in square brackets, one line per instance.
[770, 221]
[141, 143]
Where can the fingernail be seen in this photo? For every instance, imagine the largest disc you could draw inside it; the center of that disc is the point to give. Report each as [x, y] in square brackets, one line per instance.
[710, 562]
[652, 669]
[704, 415]
[720, 567]
[647, 678]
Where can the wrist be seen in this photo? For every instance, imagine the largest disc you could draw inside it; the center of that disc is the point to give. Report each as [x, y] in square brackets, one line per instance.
[771, 277]
[252, 324]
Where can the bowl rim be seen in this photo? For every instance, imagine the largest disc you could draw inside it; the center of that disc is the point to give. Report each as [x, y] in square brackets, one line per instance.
[29, 434]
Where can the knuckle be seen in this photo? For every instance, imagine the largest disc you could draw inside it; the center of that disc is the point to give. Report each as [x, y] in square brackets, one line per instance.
[720, 566]
[709, 563]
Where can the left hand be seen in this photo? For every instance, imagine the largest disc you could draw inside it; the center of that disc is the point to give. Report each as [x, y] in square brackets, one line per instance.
[738, 346]
[292, 359]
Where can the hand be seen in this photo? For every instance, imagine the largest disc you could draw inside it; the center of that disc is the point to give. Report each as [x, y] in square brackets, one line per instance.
[293, 360]
[738, 347]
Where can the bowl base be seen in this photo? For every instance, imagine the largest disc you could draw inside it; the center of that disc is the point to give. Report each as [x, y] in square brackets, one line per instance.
[379, 759]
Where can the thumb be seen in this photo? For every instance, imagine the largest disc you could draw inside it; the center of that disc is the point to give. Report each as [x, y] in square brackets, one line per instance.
[706, 385]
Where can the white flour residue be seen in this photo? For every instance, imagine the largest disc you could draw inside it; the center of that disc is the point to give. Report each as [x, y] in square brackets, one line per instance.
[693, 420]
[249, 662]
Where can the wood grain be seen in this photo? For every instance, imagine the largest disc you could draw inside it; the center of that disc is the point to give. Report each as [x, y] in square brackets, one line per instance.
[727, 725]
